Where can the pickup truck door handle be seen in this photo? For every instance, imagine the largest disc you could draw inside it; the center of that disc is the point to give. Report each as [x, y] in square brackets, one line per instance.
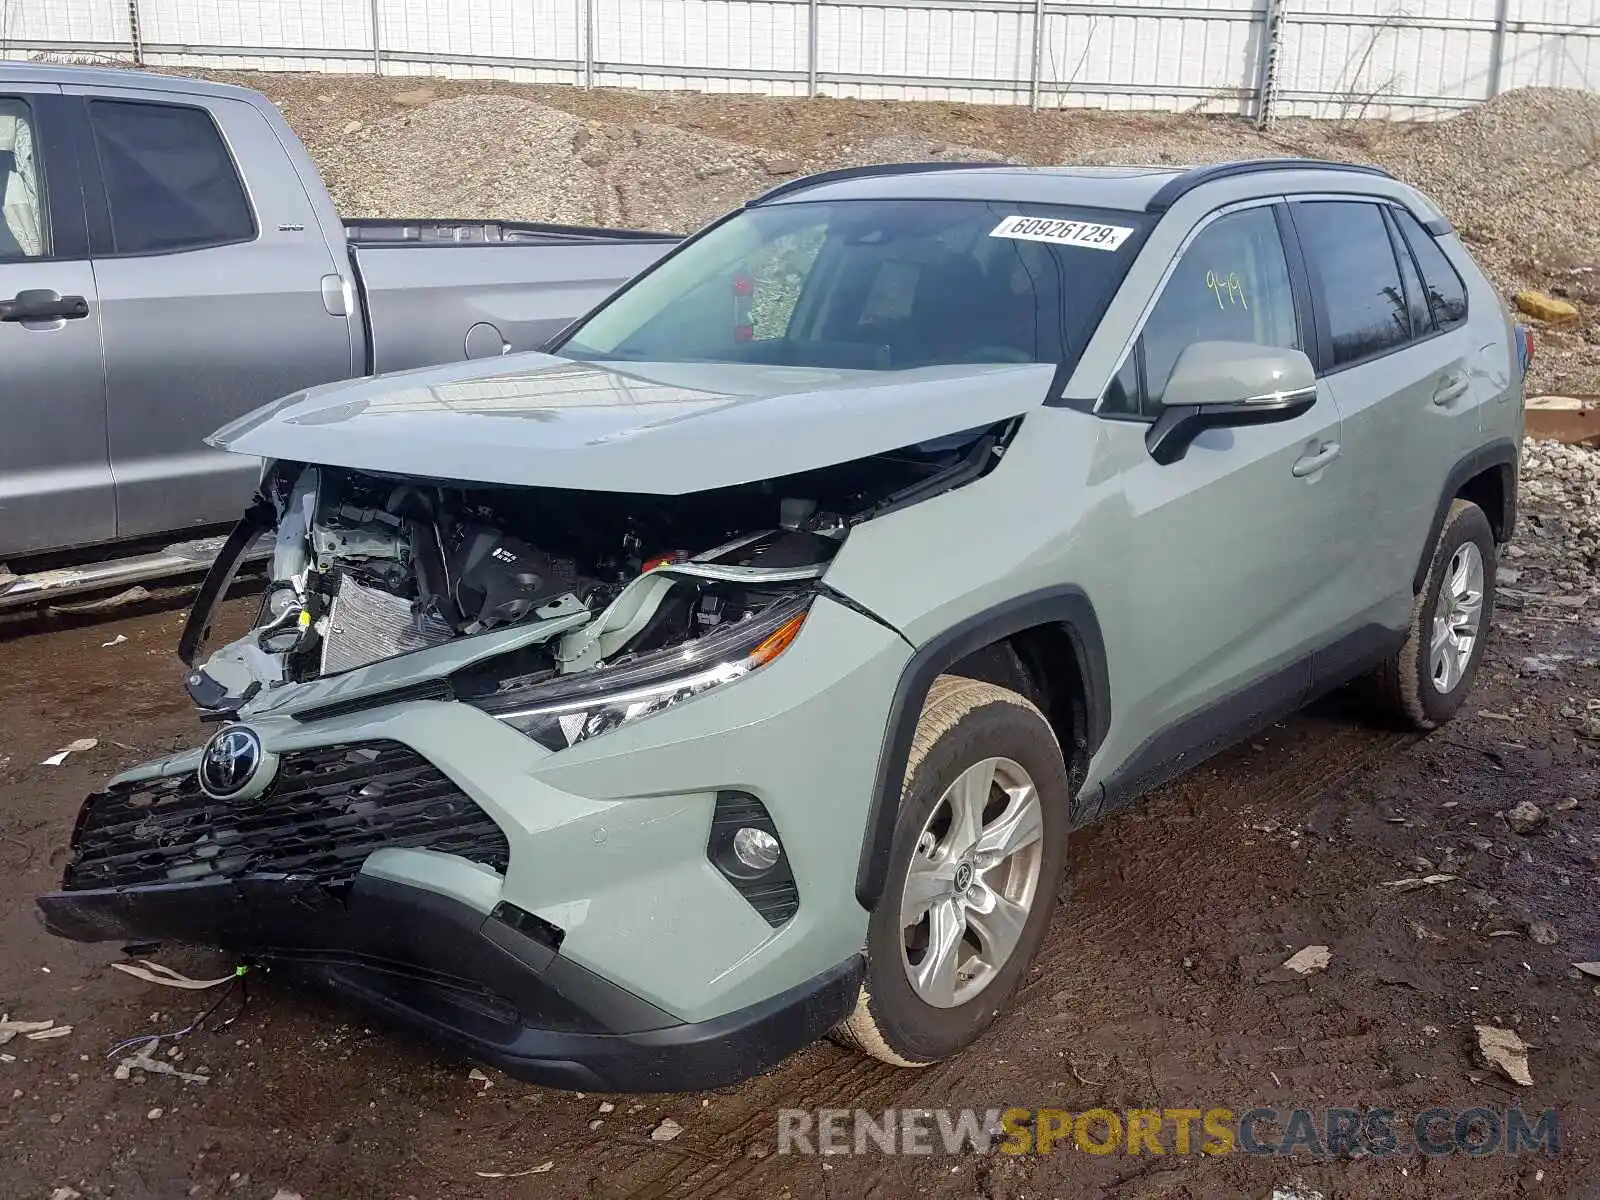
[1451, 390]
[42, 305]
[336, 295]
[1310, 464]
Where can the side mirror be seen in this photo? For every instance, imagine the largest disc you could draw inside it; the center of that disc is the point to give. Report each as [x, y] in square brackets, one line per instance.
[1229, 383]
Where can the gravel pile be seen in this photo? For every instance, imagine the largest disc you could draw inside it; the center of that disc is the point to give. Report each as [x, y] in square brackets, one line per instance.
[432, 162]
[1558, 527]
[505, 157]
[892, 148]
[1519, 177]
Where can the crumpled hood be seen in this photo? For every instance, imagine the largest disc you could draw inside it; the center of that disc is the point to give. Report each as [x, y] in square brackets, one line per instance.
[660, 428]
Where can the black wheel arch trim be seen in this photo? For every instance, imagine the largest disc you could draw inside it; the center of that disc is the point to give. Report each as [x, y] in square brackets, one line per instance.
[1065, 605]
[1501, 453]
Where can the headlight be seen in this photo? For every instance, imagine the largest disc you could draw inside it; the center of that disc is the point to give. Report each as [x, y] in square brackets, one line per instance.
[558, 713]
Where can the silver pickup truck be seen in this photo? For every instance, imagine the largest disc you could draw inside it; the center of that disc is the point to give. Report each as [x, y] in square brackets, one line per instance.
[170, 260]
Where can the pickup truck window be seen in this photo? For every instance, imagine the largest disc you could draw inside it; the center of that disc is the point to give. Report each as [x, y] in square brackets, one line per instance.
[170, 181]
[874, 285]
[22, 231]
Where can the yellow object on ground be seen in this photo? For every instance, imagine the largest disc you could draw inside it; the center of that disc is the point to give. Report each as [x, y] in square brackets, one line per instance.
[1545, 308]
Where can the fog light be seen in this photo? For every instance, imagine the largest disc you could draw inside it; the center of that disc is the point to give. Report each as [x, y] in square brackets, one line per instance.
[756, 848]
[744, 846]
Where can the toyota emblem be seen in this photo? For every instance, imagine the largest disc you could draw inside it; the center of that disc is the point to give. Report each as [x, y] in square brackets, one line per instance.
[233, 764]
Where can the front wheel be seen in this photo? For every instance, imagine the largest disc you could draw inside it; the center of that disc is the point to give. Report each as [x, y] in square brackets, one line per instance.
[1428, 679]
[973, 875]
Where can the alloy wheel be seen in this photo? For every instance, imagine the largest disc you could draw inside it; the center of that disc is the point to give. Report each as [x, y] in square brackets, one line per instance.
[1457, 619]
[972, 882]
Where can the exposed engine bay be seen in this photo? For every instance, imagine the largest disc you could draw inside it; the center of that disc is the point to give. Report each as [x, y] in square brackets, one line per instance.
[367, 567]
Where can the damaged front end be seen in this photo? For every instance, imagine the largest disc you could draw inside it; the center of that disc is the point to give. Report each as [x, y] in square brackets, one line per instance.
[376, 858]
[594, 608]
[479, 567]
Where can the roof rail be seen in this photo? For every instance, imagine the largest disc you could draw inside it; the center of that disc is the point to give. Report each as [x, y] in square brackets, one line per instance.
[1175, 189]
[867, 172]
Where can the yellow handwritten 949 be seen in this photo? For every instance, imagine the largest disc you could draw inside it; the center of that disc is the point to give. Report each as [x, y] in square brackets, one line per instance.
[1228, 290]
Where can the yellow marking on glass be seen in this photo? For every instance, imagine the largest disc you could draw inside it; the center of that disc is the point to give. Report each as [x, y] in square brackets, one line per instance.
[1228, 290]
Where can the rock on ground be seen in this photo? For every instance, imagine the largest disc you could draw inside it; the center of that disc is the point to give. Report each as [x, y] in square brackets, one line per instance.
[1525, 817]
[1563, 484]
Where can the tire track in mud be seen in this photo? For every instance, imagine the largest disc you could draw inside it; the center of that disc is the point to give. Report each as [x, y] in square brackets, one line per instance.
[816, 1078]
[1326, 755]
[1283, 792]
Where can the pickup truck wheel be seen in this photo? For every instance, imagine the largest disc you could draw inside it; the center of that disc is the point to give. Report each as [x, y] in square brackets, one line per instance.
[1424, 684]
[973, 878]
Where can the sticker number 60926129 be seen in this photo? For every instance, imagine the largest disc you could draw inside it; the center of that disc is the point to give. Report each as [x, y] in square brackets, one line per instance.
[1088, 234]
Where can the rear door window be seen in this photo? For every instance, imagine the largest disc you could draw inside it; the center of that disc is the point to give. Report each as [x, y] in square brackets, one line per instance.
[1230, 285]
[170, 182]
[24, 232]
[1447, 294]
[1348, 249]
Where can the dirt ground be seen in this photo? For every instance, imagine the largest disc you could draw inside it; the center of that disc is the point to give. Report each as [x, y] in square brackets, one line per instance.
[1155, 989]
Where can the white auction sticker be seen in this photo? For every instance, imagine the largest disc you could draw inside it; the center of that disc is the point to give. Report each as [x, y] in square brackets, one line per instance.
[1087, 234]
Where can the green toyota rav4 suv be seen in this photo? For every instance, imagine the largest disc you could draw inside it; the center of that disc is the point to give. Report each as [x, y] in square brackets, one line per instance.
[633, 714]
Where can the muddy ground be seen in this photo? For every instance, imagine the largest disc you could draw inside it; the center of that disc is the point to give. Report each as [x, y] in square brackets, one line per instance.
[1154, 990]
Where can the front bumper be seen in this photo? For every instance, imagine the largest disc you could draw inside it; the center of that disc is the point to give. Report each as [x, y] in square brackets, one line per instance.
[491, 986]
[401, 844]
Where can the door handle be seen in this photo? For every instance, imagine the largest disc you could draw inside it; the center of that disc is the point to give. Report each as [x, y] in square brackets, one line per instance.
[1451, 390]
[337, 296]
[1310, 464]
[43, 305]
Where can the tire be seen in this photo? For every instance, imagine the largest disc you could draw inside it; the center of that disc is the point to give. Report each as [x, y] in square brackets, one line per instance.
[1414, 688]
[964, 725]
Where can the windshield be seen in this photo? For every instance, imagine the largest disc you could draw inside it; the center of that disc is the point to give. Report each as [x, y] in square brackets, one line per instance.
[874, 285]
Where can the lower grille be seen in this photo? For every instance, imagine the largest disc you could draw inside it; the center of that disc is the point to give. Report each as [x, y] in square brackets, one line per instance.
[324, 813]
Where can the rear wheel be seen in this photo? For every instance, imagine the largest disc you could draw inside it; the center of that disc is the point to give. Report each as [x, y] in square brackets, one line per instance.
[973, 875]
[1427, 681]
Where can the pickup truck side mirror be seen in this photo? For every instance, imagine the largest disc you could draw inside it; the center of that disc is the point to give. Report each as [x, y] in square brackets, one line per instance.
[1229, 383]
